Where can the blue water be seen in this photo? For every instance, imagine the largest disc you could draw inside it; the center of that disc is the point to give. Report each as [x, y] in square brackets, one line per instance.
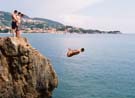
[105, 70]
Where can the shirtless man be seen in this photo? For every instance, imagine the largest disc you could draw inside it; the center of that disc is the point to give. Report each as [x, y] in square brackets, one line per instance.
[71, 52]
[14, 22]
[19, 19]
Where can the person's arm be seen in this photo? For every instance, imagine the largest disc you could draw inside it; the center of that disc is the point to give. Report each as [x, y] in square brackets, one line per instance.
[14, 17]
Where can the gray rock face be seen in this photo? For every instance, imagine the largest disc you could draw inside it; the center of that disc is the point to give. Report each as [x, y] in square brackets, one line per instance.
[24, 72]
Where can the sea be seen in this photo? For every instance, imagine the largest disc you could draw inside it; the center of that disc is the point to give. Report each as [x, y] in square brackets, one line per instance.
[106, 69]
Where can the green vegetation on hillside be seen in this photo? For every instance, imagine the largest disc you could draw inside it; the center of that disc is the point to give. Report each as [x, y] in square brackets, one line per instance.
[44, 25]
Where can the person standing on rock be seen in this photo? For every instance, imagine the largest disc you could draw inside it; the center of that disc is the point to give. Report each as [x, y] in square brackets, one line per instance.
[14, 22]
[19, 19]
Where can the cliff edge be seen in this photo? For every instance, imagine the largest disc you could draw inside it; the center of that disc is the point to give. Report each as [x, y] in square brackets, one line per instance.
[24, 72]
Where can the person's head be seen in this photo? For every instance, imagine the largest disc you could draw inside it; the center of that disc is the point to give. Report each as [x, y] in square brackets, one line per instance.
[22, 15]
[82, 49]
[15, 11]
[19, 13]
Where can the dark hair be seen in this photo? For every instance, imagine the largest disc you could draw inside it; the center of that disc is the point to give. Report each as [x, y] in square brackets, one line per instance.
[22, 15]
[15, 11]
[82, 49]
[19, 13]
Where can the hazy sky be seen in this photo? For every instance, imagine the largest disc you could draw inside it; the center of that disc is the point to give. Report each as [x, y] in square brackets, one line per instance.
[93, 14]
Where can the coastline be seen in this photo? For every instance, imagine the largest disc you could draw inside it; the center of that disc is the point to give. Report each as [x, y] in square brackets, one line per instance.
[63, 32]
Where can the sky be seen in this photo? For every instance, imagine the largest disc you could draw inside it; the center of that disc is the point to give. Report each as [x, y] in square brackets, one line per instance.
[89, 14]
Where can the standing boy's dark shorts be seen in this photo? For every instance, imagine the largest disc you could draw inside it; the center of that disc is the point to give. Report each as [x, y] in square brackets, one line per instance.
[14, 25]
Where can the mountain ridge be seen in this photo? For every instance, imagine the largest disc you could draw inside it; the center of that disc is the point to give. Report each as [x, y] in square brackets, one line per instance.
[38, 25]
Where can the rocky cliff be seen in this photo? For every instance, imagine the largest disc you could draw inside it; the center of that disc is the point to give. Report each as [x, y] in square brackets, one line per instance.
[24, 72]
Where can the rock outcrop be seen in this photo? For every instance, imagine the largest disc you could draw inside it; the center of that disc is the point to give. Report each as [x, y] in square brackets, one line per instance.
[24, 72]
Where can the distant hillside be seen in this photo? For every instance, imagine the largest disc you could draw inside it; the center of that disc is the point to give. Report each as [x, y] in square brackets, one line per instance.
[38, 25]
[5, 20]
[51, 23]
